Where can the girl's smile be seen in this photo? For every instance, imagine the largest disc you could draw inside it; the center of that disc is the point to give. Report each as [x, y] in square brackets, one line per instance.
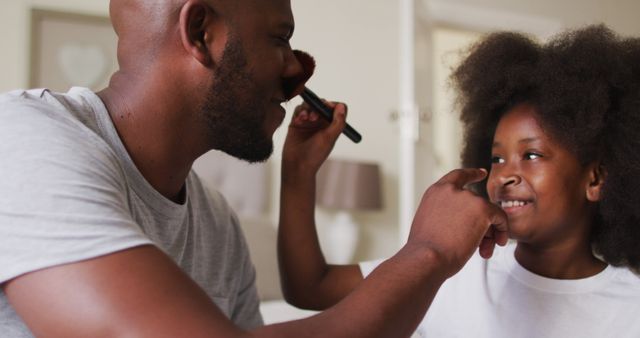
[539, 183]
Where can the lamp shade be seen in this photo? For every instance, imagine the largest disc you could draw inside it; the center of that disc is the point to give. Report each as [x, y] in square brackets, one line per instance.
[343, 184]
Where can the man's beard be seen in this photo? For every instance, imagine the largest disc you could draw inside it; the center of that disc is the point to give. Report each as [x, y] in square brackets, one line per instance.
[233, 112]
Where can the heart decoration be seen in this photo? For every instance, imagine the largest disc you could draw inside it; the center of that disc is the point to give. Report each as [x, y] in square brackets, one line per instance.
[82, 65]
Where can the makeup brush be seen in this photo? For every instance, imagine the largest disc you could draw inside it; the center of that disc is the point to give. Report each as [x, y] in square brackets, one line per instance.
[316, 103]
[296, 86]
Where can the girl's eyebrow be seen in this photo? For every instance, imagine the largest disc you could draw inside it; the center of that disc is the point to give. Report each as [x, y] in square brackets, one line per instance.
[528, 140]
[521, 141]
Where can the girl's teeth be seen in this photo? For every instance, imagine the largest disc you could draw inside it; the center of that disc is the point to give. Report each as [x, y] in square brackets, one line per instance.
[511, 204]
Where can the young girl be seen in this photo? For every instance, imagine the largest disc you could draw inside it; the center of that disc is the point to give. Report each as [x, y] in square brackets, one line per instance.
[558, 128]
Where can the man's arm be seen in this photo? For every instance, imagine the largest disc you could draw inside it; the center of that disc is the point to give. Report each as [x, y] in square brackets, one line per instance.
[137, 292]
[140, 292]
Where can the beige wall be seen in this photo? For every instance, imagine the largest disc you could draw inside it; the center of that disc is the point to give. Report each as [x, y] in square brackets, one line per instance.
[621, 15]
[15, 34]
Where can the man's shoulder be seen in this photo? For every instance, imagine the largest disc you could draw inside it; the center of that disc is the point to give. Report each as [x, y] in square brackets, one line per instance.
[38, 130]
[39, 97]
[20, 100]
[22, 94]
[31, 107]
[29, 113]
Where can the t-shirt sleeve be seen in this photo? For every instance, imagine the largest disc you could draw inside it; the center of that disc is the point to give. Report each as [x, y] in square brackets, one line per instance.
[246, 312]
[62, 193]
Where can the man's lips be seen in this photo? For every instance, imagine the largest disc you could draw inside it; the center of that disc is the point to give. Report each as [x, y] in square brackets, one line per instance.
[279, 102]
[276, 114]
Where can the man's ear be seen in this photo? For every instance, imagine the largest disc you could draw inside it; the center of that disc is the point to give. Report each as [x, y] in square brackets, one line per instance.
[597, 176]
[196, 24]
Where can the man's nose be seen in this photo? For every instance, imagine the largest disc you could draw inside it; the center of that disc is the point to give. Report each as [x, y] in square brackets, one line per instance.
[298, 68]
[293, 67]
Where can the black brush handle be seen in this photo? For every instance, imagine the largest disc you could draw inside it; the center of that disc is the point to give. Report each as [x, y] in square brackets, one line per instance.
[314, 101]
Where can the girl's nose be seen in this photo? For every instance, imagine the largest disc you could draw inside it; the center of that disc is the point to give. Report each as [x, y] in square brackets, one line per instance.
[510, 179]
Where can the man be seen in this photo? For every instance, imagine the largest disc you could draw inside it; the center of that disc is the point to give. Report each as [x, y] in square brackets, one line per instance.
[105, 231]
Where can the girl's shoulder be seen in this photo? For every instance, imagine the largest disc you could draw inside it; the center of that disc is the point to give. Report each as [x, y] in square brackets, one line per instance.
[625, 277]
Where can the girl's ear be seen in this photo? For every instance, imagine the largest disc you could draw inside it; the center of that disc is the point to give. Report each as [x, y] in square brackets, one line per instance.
[597, 176]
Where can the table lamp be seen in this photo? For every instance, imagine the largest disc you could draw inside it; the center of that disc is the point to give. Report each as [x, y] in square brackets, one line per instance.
[346, 186]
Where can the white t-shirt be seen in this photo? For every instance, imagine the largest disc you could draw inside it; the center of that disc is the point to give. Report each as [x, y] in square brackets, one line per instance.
[70, 192]
[498, 298]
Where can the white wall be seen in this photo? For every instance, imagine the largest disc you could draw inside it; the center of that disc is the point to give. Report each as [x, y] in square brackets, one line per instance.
[355, 46]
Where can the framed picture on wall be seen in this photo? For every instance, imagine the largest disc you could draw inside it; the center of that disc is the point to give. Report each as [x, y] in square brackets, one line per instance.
[70, 49]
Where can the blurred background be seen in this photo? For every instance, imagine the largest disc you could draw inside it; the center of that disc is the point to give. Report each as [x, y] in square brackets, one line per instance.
[388, 59]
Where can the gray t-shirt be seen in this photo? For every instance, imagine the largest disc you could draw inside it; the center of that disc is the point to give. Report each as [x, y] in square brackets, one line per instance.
[69, 191]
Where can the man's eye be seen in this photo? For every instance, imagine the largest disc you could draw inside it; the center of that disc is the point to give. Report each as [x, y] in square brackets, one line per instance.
[497, 159]
[532, 156]
[283, 39]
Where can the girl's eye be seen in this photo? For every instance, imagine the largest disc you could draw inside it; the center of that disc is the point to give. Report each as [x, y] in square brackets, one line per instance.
[532, 156]
[497, 159]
